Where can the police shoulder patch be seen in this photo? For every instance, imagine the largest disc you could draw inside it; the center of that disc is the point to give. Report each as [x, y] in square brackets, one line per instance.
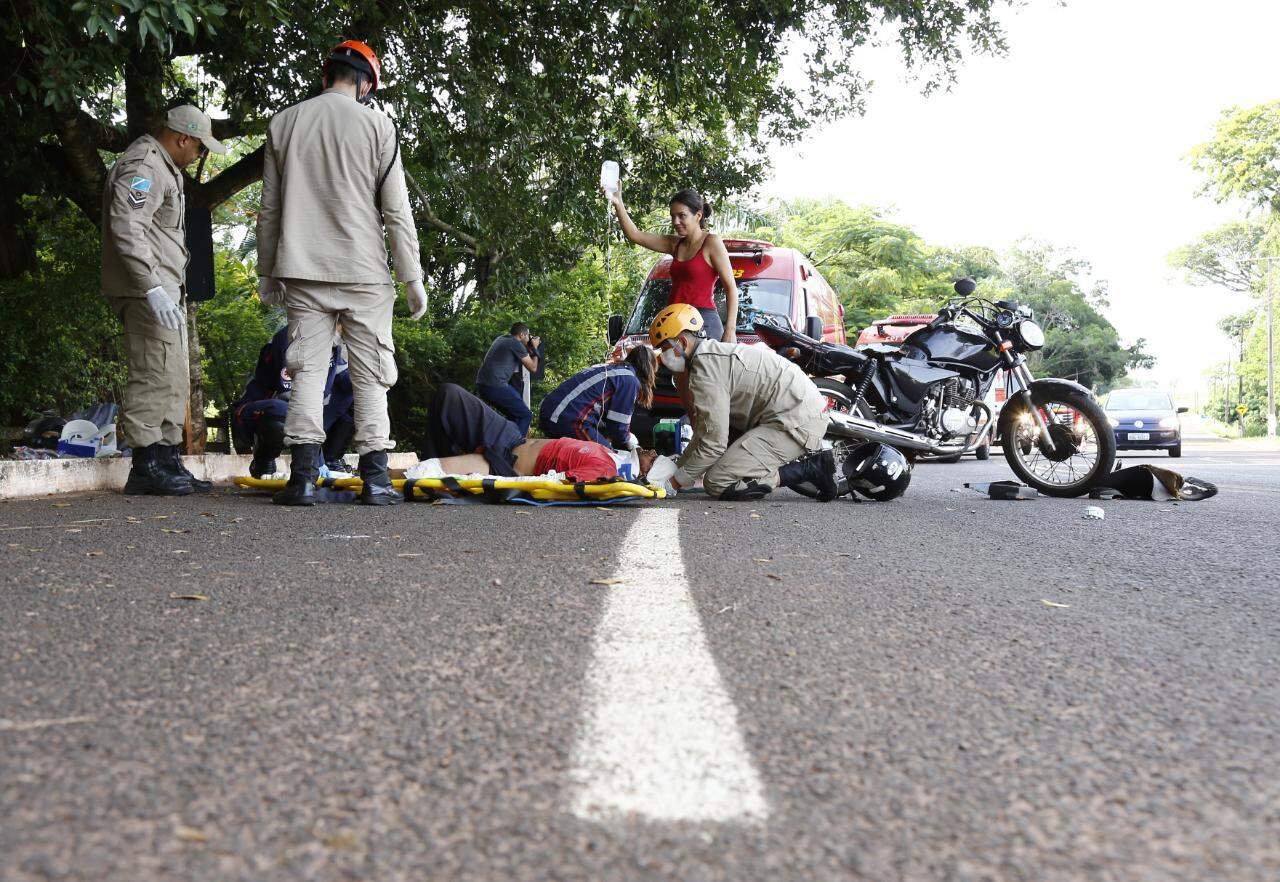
[140, 183]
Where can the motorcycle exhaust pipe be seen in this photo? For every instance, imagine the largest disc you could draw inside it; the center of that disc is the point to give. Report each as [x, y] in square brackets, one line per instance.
[846, 425]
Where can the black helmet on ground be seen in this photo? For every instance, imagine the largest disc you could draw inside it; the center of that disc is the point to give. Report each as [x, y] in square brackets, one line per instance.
[877, 471]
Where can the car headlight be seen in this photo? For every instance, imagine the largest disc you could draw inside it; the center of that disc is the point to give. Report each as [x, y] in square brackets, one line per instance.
[1032, 335]
[1115, 423]
[1169, 422]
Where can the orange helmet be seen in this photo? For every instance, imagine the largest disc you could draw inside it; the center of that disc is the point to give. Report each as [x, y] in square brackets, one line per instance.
[358, 55]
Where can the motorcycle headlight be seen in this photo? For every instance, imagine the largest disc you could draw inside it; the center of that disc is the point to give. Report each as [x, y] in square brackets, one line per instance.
[1169, 422]
[1032, 335]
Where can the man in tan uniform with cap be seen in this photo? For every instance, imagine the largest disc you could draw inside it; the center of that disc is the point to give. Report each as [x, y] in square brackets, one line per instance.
[144, 265]
[332, 179]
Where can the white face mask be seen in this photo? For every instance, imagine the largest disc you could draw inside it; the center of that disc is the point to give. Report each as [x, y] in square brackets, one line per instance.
[674, 361]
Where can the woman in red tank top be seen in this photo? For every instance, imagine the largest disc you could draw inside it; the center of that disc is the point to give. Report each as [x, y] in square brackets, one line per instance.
[698, 259]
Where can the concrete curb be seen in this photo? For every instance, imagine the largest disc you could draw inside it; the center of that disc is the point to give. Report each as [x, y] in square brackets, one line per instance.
[21, 479]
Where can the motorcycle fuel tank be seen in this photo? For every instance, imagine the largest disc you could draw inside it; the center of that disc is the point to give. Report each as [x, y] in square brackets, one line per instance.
[948, 343]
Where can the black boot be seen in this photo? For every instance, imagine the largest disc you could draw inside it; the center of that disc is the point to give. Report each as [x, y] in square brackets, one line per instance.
[259, 467]
[304, 468]
[336, 440]
[171, 458]
[148, 476]
[746, 491]
[818, 470]
[377, 488]
[268, 443]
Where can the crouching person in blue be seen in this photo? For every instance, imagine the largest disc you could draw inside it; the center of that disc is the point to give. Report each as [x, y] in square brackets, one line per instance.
[257, 418]
[596, 404]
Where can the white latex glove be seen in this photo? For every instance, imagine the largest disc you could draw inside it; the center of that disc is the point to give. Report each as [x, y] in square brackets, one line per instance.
[661, 473]
[633, 443]
[167, 313]
[270, 291]
[416, 294]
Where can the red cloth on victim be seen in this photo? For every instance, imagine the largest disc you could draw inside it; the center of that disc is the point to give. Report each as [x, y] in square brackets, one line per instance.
[579, 460]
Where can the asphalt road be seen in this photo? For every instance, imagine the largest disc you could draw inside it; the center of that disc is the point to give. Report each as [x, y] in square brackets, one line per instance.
[401, 693]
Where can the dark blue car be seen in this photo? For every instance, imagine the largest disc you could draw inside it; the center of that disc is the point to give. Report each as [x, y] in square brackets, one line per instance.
[1145, 419]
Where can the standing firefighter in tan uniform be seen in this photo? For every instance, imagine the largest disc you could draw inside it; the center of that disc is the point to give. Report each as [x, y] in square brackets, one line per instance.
[751, 389]
[331, 180]
[144, 266]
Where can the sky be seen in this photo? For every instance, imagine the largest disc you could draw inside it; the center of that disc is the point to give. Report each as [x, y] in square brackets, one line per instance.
[1078, 136]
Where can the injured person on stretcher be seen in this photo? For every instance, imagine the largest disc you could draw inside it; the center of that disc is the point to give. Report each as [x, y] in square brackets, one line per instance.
[466, 436]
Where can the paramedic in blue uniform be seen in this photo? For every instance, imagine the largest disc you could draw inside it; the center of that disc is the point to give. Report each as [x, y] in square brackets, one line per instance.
[596, 404]
[257, 418]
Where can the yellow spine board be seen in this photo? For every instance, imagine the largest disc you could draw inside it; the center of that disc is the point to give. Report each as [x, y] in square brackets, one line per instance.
[553, 491]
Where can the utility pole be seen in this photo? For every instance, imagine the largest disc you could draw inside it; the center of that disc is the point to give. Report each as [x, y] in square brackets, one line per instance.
[1240, 383]
[1271, 354]
[1226, 396]
[1267, 282]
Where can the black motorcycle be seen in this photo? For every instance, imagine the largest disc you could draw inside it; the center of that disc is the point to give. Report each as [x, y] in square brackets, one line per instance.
[925, 395]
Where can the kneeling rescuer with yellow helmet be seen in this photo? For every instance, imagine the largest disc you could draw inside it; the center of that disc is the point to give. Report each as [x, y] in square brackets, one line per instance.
[752, 389]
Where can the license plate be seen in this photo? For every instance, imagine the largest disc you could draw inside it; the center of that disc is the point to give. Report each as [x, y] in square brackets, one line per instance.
[1139, 436]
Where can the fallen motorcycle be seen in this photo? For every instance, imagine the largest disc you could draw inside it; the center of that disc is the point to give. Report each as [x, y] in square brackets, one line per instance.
[925, 395]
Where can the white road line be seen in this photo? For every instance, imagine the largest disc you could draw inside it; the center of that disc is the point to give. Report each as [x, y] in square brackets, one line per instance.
[660, 737]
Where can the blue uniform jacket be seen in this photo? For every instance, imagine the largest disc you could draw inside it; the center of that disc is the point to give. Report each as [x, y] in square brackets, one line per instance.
[595, 403]
[269, 381]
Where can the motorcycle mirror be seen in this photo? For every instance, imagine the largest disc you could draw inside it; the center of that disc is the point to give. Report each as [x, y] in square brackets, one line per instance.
[966, 286]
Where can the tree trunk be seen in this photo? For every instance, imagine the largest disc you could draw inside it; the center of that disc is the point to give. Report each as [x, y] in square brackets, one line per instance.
[196, 432]
[17, 251]
[486, 267]
[143, 90]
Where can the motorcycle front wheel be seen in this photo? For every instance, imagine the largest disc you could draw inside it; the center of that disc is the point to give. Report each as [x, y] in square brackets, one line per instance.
[1084, 447]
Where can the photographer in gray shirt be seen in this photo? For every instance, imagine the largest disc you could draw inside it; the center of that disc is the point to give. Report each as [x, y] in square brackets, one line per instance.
[506, 355]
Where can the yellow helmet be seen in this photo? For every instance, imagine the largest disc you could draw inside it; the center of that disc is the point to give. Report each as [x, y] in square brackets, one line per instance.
[674, 320]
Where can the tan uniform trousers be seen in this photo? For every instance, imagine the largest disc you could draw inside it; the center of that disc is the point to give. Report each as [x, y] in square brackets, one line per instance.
[758, 453]
[159, 386]
[314, 310]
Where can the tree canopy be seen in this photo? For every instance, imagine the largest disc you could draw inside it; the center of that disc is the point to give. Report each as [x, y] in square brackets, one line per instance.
[1242, 160]
[506, 108]
[1225, 256]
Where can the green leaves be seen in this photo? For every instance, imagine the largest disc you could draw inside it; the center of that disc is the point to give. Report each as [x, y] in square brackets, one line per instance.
[144, 22]
[1242, 161]
[1225, 256]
